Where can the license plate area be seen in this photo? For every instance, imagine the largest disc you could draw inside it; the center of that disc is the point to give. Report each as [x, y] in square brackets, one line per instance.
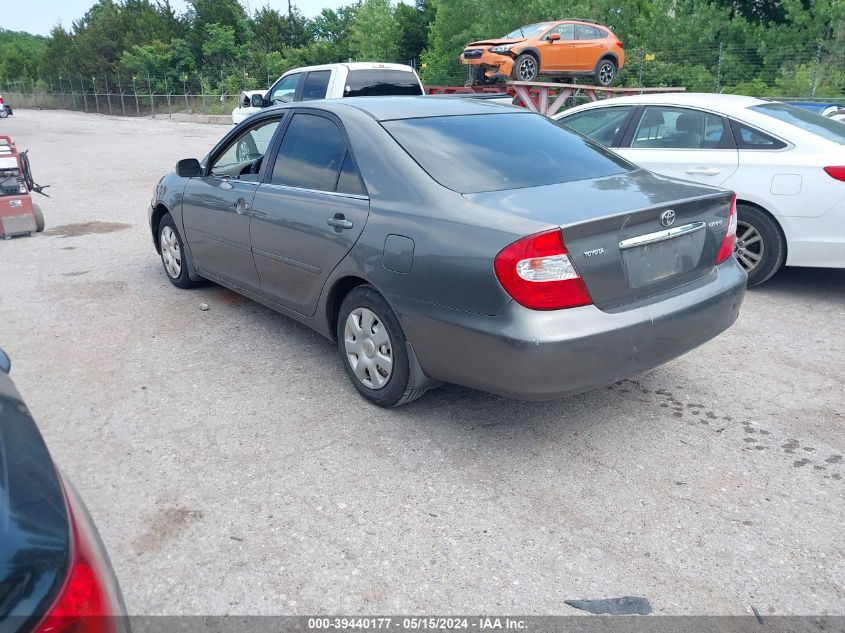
[658, 259]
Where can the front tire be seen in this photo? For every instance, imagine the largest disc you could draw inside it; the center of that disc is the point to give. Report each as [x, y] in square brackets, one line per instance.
[760, 245]
[3, 112]
[372, 348]
[525, 68]
[174, 257]
[605, 73]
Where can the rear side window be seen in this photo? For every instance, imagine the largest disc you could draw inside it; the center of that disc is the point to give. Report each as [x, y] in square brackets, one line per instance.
[381, 83]
[311, 154]
[669, 127]
[749, 138]
[808, 121]
[494, 152]
[583, 32]
[350, 180]
[316, 84]
[600, 124]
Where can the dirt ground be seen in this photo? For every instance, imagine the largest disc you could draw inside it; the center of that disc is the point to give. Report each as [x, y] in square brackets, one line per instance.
[232, 469]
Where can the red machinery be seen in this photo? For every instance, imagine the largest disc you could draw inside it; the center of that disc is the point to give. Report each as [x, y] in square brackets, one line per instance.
[19, 215]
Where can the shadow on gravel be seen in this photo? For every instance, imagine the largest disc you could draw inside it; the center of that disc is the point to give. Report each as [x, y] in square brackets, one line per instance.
[807, 283]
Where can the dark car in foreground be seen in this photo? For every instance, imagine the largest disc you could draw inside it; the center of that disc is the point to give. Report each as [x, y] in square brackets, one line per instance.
[451, 240]
[55, 575]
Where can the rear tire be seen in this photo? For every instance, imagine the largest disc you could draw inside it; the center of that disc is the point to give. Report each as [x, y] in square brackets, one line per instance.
[3, 112]
[760, 245]
[525, 68]
[174, 256]
[372, 348]
[605, 73]
[39, 218]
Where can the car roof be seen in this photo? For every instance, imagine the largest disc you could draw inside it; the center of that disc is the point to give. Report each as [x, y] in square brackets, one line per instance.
[391, 108]
[721, 102]
[353, 66]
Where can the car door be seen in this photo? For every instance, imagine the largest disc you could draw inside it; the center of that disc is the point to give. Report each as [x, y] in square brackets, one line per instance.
[215, 207]
[559, 55]
[682, 142]
[284, 90]
[588, 49]
[308, 212]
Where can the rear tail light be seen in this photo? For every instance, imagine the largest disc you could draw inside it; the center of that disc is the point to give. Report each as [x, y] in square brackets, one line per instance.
[728, 243]
[83, 604]
[620, 44]
[538, 273]
[836, 172]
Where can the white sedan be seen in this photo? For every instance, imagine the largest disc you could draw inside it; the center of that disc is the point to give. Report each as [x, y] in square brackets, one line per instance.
[786, 165]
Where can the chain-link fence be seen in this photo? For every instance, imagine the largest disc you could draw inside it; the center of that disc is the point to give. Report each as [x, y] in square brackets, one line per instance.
[812, 73]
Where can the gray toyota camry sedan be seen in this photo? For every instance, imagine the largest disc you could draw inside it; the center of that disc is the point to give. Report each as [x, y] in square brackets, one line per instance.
[452, 240]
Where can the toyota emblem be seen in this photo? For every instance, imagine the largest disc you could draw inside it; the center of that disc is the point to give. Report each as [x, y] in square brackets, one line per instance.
[667, 218]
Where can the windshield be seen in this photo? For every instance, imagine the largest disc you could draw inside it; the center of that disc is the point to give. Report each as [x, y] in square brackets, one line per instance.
[532, 30]
[494, 152]
[808, 121]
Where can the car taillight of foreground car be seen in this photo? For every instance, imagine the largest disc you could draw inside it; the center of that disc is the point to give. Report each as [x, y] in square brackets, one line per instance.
[55, 575]
[538, 273]
[85, 603]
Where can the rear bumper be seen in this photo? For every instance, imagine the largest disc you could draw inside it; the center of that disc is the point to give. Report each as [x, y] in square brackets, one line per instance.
[534, 355]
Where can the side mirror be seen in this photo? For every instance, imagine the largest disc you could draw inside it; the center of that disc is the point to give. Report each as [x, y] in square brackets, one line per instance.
[554, 37]
[5, 362]
[257, 101]
[189, 168]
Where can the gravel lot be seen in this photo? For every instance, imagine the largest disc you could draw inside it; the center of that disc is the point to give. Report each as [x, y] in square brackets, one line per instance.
[233, 470]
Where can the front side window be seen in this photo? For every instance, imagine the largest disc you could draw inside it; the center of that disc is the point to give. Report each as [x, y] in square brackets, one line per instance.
[311, 154]
[668, 127]
[566, 31]
[808, 121]
[316, 85]
[246, 152]
[378, 82]
[600, 124]
[285, 90]
[494, 152]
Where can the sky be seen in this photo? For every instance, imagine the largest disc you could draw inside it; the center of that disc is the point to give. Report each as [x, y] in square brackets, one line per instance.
[39, 16]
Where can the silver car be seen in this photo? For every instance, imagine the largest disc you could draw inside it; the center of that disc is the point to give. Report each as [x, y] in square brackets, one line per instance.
[449, 240]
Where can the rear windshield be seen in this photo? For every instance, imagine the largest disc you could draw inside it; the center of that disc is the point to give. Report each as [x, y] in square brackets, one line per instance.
[494, 152]
[809, 121]
[381, 83]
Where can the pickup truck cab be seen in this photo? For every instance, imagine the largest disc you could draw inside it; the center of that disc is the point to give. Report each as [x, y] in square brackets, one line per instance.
[332, 81]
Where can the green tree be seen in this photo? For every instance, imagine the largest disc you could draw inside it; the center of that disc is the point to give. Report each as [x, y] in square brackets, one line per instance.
[219, 48]
[412, 22]
[373, 34]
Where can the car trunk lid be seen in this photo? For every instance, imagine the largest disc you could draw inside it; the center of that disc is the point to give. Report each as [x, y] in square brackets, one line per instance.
[630, 236]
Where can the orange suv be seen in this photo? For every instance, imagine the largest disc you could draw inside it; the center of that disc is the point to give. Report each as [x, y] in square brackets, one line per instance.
[565, 48]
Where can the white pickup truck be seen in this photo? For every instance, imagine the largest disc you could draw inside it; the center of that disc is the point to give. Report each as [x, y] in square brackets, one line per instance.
[332, 81]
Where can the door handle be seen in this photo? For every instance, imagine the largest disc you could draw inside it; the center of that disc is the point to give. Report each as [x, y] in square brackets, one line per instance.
[226, 185]
[241, 206]
[339, 222]
[703, 171]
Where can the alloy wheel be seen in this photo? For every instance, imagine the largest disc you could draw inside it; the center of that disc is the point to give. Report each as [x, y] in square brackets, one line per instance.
[171, 256]
[606, 74]
[369, 350]
[749, 248]
[527, 69]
